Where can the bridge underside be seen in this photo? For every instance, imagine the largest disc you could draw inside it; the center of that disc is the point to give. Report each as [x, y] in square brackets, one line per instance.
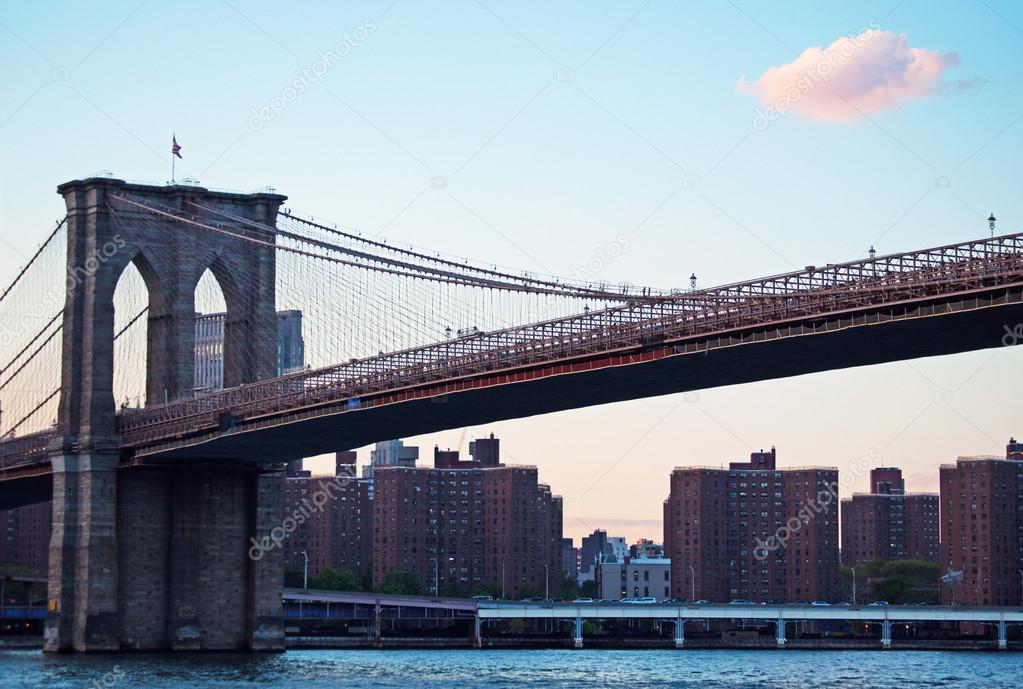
[742, 357]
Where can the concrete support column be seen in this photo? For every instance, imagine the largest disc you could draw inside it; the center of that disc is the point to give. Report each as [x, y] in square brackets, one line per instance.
[886, 634]
[376, 625]
[780, 633]
[477, 632]
[578, 632]
[680, 632]
[83, 583]
[1003, 636]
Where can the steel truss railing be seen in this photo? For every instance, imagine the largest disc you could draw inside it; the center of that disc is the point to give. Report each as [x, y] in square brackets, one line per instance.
[805, 294]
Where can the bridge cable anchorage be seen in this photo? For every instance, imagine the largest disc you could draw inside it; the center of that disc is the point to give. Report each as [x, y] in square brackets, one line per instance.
[32, 260]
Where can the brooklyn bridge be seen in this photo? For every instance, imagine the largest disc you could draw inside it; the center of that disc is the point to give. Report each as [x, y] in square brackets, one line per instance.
[148, 469]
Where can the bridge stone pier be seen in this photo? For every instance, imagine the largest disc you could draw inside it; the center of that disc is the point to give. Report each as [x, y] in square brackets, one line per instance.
[156, 556]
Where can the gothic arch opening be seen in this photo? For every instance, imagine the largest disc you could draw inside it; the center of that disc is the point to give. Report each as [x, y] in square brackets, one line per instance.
[131, 344]
[210, 326]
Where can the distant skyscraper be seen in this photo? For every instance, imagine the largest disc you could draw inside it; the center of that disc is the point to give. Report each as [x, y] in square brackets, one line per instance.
[887, 523]
[209, 347]
[290, 343]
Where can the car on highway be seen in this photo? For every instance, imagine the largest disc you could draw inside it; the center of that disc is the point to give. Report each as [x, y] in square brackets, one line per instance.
[879, 603]
[583, 600]
[702, 601]
[820, 604]
[741, 601]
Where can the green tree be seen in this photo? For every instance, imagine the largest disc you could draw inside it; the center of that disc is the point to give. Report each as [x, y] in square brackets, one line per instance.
[293, 578]
[339, 579]
[488, 589]
[588, 589]
[895, 581]
[564, 586]
[452, 589]
[401, 583]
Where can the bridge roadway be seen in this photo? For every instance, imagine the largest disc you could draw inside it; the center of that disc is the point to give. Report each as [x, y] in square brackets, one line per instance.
[309, 604]
[302, 604]
[933, 302]
[883, 615]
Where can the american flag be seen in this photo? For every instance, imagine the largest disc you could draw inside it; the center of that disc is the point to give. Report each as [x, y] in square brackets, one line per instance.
[175, 149]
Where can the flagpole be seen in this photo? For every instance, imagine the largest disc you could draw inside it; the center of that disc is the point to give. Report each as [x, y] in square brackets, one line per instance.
[174, 136]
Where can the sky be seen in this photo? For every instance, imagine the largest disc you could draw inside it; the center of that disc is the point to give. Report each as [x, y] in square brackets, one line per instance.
[731, 140]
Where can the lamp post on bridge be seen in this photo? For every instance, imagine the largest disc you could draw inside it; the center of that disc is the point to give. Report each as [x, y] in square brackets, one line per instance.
[305, 570]
[854, 584]
[692, 583]
[546, 582]
[991, 220]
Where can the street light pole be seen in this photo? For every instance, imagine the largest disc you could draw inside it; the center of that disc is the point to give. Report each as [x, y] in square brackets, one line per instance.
[502, 579]
[692, 583]
[546, 582]
[305, 570]
[854, 585]
[436, 575]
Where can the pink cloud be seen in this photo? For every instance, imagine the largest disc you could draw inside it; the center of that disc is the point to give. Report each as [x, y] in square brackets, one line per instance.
[875, 70]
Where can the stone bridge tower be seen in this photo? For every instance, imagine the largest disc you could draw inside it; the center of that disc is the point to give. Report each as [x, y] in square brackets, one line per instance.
[155, 557]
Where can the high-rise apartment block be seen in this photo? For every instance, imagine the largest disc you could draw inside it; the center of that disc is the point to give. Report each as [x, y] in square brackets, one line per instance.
[467, 524]
[753, 531]
[331, 520]
[888, 523]
[982, 528]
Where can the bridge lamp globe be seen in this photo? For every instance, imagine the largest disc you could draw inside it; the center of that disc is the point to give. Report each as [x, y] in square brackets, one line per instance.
[991, 223]
[692, 281]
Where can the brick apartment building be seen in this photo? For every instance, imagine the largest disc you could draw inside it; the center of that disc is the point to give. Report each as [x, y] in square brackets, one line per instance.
[332, 519]
[463, 525]
[888, 523]
[982, 528]
[753, 531]
[25, 537]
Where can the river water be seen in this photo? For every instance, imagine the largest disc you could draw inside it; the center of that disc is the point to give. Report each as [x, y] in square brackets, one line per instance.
[452, 669]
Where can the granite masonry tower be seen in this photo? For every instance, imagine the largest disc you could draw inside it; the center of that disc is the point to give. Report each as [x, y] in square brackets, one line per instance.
[156, 556]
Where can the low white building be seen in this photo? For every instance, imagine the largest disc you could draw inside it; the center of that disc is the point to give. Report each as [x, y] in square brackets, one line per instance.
[639, 578]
